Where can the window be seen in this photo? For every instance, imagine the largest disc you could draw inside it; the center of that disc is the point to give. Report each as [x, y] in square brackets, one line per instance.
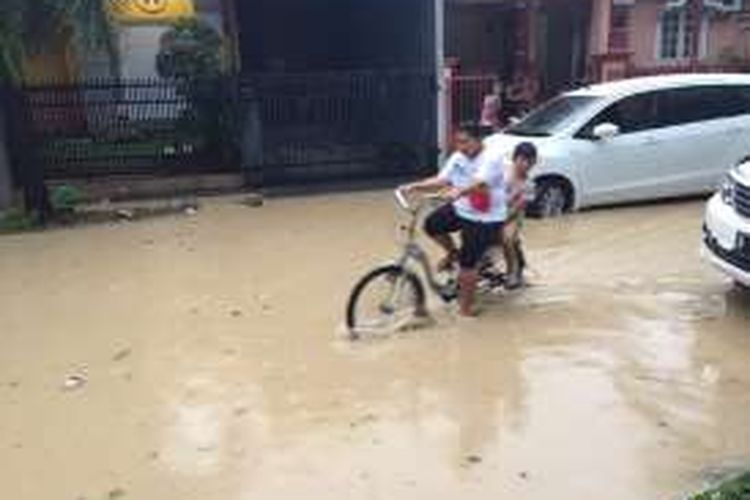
[553, 116]
[677, 34]
[632, 114]
[694, 104]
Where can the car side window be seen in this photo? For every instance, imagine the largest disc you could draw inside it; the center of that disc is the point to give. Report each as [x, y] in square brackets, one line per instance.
[743, 95]
[696, 104]
[632, 114]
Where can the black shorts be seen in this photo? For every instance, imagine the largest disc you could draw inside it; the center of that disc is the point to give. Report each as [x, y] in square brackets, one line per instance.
[476, 237]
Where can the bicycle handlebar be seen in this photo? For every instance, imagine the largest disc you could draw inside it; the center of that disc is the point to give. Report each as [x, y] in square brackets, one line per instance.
[404, 203]
[401, 199]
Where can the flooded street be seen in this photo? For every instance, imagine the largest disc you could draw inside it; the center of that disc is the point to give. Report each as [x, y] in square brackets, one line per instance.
[203, 358]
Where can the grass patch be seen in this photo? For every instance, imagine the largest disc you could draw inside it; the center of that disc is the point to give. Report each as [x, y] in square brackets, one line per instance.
[735, 489]
[15, 220]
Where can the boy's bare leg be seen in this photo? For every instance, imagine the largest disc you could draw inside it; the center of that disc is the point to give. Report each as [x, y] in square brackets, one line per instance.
[445, 241]
[512, 257]
[467, 287]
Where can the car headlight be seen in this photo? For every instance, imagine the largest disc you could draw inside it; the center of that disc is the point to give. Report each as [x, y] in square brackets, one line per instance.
[727, 189]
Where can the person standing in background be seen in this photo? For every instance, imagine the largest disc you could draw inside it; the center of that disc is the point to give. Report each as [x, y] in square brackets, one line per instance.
[492, 107]
[522, 93]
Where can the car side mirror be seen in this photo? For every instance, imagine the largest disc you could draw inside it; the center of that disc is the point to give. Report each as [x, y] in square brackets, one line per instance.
[605, 131]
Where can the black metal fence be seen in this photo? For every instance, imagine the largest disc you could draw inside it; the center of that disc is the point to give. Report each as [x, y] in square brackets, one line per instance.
[276, 129]
[110, 128]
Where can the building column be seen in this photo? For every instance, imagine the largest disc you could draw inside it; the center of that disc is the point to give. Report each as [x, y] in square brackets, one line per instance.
[696, 10]
[443, 75]
[601, 23]
[525, 46]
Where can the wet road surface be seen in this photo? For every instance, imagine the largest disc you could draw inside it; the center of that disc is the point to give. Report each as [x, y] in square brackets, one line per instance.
[203, 358]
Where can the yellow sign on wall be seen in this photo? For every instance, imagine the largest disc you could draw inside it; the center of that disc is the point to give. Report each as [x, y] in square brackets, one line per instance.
[151, 11]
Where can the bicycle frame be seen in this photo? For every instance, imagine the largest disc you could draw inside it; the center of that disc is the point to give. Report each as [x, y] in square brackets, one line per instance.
[413, 251]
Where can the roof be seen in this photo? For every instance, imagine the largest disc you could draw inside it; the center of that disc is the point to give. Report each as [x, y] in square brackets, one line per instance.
[646, 83]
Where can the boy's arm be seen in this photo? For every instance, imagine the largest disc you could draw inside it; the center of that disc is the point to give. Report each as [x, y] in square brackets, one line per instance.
[434, 183]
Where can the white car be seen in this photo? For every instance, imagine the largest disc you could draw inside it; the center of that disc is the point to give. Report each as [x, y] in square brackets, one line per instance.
[726, 232]
[635, 139]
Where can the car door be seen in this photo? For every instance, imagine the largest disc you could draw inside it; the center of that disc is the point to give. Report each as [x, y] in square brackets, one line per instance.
[619, 168]
[697, 137]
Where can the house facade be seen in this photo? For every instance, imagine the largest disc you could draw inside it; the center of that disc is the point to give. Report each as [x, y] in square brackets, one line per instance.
[656, 36]
[555, 44]
[363, 85]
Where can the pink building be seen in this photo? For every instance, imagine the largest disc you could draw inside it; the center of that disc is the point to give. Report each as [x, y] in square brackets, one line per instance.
[555, 44]
[630, 37]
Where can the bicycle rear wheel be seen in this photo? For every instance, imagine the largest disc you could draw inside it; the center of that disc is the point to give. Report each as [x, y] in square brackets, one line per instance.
[383, 301]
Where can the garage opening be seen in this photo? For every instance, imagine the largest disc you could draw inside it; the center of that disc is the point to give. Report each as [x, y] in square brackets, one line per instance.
[529, 50]
[338, 89]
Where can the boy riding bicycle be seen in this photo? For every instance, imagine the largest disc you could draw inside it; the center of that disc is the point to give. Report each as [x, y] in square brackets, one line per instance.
[473, 181]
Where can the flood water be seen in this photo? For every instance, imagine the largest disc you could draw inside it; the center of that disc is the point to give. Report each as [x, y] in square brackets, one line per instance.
[203, 358]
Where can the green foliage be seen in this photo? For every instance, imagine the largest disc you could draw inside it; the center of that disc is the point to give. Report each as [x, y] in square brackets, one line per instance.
[736, 489]
[30, 26]
[11, 39]
[15, 220]
[191, 50]
[65, 198]
[191, 56]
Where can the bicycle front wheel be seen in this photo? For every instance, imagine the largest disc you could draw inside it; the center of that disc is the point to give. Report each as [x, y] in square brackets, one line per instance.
[383, 301]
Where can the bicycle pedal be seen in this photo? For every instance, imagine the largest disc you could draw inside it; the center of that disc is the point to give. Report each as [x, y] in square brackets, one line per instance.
[448, 294]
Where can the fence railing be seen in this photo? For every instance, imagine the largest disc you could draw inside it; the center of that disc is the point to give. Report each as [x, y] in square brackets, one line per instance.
[274, 128]
[466, 96]
[105, 128]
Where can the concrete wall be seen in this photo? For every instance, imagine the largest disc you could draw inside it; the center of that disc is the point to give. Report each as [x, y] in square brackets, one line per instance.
[139, 46]
[726, 36]
[646, 15]
[479, 36]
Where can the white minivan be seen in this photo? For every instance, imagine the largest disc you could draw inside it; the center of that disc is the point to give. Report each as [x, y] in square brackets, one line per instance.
[636, 139]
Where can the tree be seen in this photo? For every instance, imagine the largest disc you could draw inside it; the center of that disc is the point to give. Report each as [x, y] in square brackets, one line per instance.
[191, 56]
[189, 51]
[91, 24]
[27, 27]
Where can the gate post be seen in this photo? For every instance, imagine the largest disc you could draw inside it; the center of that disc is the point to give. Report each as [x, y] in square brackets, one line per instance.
[251, 138]
[6, 187]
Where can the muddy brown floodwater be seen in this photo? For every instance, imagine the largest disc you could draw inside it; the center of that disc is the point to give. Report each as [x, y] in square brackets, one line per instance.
[202, 358]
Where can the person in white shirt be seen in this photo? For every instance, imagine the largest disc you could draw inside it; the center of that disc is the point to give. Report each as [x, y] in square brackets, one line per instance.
[473, 179]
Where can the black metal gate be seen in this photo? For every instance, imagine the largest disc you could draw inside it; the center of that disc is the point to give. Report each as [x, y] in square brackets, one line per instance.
[338, 126]
[276, 129]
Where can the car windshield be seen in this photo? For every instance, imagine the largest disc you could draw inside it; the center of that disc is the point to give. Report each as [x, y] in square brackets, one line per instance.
[552, 116]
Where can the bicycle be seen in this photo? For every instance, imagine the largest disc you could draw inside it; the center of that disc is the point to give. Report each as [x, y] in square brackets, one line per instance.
[405, 296]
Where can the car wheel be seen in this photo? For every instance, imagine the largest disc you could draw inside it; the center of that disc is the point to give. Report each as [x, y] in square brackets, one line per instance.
[552, 199]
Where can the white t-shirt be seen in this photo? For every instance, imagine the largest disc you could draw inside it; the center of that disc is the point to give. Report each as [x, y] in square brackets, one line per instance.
[461, 172]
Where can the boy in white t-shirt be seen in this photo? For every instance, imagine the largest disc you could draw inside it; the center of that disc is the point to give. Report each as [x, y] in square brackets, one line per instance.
[473, 179]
